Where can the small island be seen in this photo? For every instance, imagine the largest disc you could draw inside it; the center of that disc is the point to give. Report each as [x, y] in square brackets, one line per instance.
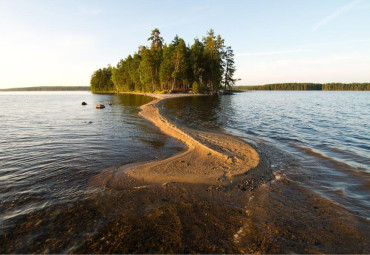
[205, 66]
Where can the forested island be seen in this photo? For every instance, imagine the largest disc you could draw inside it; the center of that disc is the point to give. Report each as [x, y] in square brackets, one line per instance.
[50, 88]
[206, 65]
[308, 86]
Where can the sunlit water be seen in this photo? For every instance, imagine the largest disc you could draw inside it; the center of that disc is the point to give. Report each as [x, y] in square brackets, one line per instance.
[326, 133]
[310, 193]
[51, 145]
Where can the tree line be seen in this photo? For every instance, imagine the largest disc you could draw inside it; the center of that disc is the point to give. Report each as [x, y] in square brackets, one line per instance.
[308, 86]
[206, 65]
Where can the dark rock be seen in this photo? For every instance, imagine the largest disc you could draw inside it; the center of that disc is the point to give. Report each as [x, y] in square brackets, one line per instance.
[227, 92]
[100, 106]
[84, 103]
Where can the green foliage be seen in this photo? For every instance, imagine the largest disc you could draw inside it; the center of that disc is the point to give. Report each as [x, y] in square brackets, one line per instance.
[308, 86]
[146, 70]
[167, 67]
[213, 64]
[229, 68]
[348, 86]
[172, 67]
[101, 81]
[197, 60]
[196, 88]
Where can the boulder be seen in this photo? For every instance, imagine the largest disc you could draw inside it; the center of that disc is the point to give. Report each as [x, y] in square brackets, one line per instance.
[84, 103]
[100, 106]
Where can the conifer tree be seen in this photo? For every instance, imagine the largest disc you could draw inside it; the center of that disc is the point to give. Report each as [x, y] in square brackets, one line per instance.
[175, 66]
[229, 66]
[167, 67]
[180, 60]
[213, 55]
[156, 51]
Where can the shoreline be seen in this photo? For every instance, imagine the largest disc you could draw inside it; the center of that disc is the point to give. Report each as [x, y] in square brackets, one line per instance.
[208, 158]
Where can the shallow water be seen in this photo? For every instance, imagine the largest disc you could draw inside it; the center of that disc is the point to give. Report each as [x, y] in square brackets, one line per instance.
[316, 145]
[49, 150]
[51, 202]
[326, 132]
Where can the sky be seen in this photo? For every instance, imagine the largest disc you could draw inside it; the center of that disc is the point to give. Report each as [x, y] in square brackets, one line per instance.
[62, 42]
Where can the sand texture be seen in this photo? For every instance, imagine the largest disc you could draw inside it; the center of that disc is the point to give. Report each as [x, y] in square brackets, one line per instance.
[209, 157]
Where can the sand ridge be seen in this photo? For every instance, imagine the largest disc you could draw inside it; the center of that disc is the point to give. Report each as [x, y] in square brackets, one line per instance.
[209, 157]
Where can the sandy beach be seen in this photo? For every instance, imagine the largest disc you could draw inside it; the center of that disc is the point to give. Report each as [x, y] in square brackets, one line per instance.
[209, 157]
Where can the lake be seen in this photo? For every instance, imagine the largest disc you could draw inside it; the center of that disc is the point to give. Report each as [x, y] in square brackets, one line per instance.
[315, 146]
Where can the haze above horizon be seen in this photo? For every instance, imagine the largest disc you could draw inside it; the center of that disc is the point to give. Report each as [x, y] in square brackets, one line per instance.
[53, 43]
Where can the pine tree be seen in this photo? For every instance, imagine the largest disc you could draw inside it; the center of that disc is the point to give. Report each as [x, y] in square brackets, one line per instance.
[181, 63]
[156, 51]
[213, 58]
[146, 70]
[167, 67]
[229, 66]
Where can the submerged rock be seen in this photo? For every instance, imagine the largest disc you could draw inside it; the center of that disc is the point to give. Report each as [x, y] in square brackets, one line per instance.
[227, 92]
[100, 106]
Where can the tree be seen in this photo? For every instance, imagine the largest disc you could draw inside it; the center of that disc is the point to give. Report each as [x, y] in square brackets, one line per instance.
[167, 67]
[213, 55]
[146, 70]
[134, 72]
[229, 65]
[197, 60]
[156, 51]
[181, 64]
[175, 66]
[121, 75]
[101, 80]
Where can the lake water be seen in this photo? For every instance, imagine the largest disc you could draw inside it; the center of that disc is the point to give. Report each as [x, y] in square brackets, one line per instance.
[49, 148]
[315, 146]
[326, 133]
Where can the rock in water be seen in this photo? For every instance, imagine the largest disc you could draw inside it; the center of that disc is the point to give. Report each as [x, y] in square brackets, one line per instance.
[84, 103]
[100, 106]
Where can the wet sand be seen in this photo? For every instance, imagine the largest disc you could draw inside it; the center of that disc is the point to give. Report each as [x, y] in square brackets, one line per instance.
[209, 158]
[217, 196]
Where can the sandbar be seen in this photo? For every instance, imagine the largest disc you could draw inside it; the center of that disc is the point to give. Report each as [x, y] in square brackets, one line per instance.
[208, 158]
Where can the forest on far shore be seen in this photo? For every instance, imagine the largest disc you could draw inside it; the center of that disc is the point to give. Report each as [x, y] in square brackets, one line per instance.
[206, 65]
[308, 86]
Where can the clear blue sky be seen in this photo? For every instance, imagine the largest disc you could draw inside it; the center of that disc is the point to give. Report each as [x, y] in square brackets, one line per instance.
[61, 42]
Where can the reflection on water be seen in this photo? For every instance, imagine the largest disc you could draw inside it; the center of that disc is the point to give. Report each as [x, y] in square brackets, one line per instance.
[49, 150]
[326, 131]
[316, 140]
[53, 205]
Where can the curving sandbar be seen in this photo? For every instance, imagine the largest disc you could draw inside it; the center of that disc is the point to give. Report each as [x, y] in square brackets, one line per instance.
[209, 157]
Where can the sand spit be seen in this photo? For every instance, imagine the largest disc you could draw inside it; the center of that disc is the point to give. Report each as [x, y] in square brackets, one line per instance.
[209, 157]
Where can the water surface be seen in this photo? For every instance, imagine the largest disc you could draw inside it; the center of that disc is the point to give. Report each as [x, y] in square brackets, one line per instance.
[310, 193]
[327, 132]
[51, 146]
[316, 144]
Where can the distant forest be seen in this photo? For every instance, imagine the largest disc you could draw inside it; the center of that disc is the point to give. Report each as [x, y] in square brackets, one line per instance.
[206, 65]
[308, 86]
[50, 88]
